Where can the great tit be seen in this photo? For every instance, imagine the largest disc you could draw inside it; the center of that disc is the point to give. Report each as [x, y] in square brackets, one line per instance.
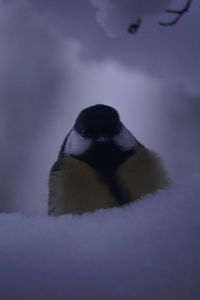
[101, 165]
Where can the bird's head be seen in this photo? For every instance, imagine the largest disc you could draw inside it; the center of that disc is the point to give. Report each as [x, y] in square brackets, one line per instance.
[98, 124]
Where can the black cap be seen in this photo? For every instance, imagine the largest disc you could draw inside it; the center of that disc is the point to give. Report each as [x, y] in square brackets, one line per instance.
[98, 120]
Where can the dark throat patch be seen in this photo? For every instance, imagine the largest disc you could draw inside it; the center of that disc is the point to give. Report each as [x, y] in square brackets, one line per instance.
[106, 158]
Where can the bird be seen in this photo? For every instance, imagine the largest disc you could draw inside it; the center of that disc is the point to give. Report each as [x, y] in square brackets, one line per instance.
[101, 165]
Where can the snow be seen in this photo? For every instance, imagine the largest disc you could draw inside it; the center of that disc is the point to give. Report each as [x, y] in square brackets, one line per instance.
[115, 16]
[147, 250]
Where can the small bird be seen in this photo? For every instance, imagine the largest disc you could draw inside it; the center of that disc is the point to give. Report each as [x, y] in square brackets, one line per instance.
[101, 165]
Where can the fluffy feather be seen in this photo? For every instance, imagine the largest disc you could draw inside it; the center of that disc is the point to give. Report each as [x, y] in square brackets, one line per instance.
[101, 165]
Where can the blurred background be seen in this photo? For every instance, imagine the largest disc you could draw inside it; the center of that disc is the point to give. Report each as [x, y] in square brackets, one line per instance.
[58, 57]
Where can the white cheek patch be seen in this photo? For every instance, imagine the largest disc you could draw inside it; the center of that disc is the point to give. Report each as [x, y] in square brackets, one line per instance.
[76, 144]
[125, 140]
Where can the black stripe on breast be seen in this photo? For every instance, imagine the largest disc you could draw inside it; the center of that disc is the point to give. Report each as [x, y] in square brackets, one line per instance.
[106, 158]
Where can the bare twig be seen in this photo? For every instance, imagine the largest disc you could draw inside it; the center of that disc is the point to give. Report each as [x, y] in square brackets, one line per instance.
[133, 28]
[179, 14]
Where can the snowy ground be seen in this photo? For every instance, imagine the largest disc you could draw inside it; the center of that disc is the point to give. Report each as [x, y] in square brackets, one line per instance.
[147, 250]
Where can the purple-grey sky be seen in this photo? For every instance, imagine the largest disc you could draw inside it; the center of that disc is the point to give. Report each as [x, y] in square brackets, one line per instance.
[59, 57]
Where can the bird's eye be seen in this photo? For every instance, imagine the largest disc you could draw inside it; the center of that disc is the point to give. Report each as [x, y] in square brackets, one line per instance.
[83, 133]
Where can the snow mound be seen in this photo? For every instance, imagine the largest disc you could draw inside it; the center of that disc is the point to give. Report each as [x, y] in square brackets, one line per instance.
[115, 16]
[147, 250]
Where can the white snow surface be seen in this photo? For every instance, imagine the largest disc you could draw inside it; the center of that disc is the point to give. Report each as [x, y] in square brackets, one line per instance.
[149, 249]
[115, 16]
